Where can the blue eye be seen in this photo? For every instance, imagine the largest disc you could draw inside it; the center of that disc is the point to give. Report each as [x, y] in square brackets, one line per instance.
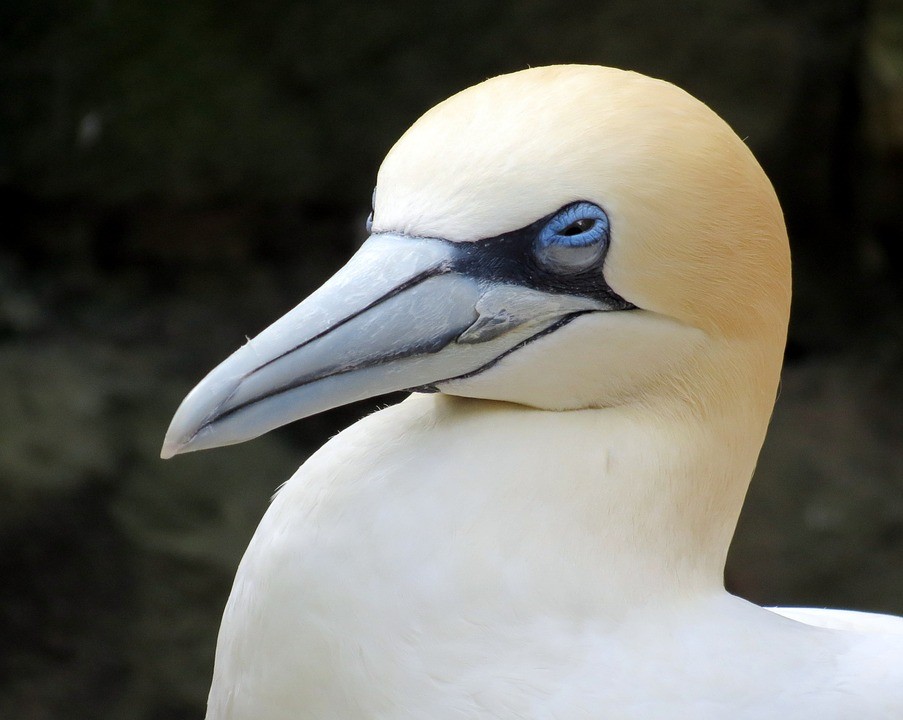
[575, 239]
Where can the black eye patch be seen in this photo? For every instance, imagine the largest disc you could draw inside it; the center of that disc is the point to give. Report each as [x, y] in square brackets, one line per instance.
[510, 258]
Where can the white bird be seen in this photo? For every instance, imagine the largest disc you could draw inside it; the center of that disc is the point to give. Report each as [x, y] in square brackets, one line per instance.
[590, 272]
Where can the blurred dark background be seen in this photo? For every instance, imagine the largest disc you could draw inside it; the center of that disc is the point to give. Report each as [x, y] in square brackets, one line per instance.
[173, 176]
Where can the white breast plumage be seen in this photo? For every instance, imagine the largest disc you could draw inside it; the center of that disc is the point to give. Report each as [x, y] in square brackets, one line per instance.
[585, 274]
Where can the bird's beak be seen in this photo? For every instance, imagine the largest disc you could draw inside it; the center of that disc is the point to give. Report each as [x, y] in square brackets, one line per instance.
[403, 313]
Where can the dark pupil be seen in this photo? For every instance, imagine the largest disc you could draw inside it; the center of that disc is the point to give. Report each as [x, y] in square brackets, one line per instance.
[578, 228]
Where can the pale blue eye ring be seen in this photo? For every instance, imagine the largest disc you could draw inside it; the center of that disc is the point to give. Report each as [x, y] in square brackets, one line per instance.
[574, 239]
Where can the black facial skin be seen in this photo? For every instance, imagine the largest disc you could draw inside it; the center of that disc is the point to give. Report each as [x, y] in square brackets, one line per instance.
[510, 258]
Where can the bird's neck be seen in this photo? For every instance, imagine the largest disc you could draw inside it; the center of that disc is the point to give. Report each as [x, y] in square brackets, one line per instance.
[621, 506]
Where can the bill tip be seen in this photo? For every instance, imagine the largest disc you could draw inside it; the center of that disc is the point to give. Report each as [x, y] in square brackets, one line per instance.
[171, 448]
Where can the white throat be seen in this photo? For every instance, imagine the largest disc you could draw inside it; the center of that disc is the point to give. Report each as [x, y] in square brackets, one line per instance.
[599, 508]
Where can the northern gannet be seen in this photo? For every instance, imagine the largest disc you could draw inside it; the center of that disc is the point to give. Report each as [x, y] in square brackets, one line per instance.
[585, 276]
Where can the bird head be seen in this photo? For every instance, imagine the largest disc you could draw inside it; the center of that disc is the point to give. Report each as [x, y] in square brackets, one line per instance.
[561, 237]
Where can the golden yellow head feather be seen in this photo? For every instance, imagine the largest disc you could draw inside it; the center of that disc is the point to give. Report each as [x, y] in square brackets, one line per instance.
[697, 232]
